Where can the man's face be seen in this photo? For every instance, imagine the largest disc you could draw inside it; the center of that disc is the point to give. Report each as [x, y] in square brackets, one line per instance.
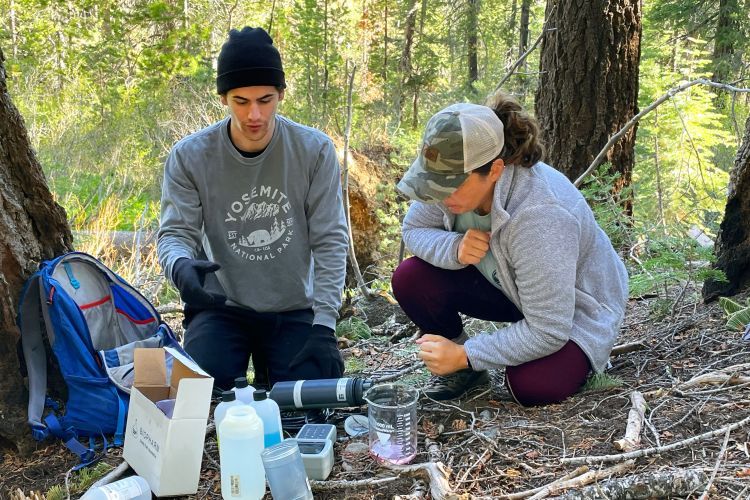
[253, 111]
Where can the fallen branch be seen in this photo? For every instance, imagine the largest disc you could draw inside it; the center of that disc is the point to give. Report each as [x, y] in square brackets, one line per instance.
[656, 450]
[418, 492]
[680, 483]
[725, 376]
[436, 472]
[170, 309]
[527, 493]
[393, 376]
[583, 479]
[670, 93]
[626, 348]
[636, 416]
[18, 494]
[112, 475]
[704, 496]
[350, 485]
[479, 463]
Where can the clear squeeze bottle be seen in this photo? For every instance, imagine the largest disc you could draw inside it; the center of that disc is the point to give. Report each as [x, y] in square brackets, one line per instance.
[228, 399]
[243, 390]
[130, 488]
[268, 411]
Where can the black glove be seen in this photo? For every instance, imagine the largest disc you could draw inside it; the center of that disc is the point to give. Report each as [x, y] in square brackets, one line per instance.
[189, 275]
[320, 356]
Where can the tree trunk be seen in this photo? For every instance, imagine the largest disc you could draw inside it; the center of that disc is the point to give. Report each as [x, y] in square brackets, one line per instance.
[34, 228]
[588, 85]
[727, 31]
[385, 43]
[733, 241]
[523, 45]
[523, 36]
[404, 64]
[13, 31]
[472, 41]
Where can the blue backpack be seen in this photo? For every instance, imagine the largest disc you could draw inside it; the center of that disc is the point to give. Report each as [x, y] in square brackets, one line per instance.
[93, 321]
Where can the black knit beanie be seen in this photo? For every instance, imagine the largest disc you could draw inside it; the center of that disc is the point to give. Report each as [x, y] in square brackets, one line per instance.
[248, 58]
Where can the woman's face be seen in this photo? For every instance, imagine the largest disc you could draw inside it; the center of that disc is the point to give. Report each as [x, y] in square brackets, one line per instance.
[476, 192]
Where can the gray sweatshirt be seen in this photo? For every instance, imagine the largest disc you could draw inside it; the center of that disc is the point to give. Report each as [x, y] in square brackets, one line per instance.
[275, 222]
[554, 263]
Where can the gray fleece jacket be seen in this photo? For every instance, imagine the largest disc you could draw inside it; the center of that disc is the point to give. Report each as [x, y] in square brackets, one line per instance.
[554, 263]
[275, 222]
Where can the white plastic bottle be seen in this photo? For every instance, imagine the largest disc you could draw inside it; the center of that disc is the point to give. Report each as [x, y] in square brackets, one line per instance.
[228, 399]
[242, 474]
[130, 488]
[269, 413]
[243, 390]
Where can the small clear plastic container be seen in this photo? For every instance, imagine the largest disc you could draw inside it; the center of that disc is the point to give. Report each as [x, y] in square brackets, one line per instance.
[285, 471]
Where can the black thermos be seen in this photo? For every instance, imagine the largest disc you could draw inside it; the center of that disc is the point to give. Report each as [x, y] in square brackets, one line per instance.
[322, 393]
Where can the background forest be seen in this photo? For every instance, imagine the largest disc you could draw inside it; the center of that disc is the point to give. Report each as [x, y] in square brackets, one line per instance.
[106, 87]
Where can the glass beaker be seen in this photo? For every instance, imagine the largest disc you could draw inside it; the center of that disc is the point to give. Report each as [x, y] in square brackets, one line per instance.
[392, 414]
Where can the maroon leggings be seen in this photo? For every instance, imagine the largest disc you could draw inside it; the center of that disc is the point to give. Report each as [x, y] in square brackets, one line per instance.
[433, 298]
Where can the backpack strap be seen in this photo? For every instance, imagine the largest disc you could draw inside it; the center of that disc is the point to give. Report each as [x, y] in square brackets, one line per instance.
[69, 438]
[122, 413]
[30, 324]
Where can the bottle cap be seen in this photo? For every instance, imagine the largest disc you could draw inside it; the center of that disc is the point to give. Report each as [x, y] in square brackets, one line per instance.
[259, 395]
[240, 382]
[228, 396]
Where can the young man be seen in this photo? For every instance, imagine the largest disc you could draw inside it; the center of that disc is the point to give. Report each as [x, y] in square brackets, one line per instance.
[253, 232]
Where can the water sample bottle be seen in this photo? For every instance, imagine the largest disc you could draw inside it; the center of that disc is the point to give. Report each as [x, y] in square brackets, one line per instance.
[392, 415]
[268, 411]
[243, 390]
[130, 488]
[286, 471]
[228, 399]
[241, 436]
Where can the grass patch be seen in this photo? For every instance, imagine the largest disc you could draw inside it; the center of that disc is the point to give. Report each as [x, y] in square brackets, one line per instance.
[353, 328]
[602, 382]
[354, 365]
[80, 481]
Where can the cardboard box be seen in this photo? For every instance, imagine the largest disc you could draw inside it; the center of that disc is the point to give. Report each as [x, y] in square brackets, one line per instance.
[167, 452]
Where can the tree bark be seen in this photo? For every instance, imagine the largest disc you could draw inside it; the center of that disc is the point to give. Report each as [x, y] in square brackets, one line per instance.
[668, 484]
[589, 84]
[34, 228]
[733, 241]
[523, 35]
[523, 45]
[404, 64]
[727, 31]
[472, 41]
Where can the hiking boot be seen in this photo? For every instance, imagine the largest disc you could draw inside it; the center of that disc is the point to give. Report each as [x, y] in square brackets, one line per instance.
[455, 385]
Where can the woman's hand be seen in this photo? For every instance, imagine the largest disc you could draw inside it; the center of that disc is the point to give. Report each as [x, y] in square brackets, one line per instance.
[441, 355]
[473, 247]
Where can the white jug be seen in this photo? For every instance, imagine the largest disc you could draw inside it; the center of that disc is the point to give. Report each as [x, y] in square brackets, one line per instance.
[241, 437]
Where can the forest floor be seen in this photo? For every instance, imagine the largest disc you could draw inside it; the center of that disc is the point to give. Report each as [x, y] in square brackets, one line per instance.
[695, 438]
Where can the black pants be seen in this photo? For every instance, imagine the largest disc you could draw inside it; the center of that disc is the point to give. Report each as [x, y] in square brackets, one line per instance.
[222, 341]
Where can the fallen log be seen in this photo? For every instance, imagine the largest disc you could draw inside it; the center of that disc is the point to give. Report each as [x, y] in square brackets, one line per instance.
[583, 480]
[678, 483]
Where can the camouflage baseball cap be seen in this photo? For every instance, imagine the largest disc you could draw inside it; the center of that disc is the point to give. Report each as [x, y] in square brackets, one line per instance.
[456, 140]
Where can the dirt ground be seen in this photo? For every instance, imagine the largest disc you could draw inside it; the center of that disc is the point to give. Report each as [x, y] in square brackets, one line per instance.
[493, 448]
